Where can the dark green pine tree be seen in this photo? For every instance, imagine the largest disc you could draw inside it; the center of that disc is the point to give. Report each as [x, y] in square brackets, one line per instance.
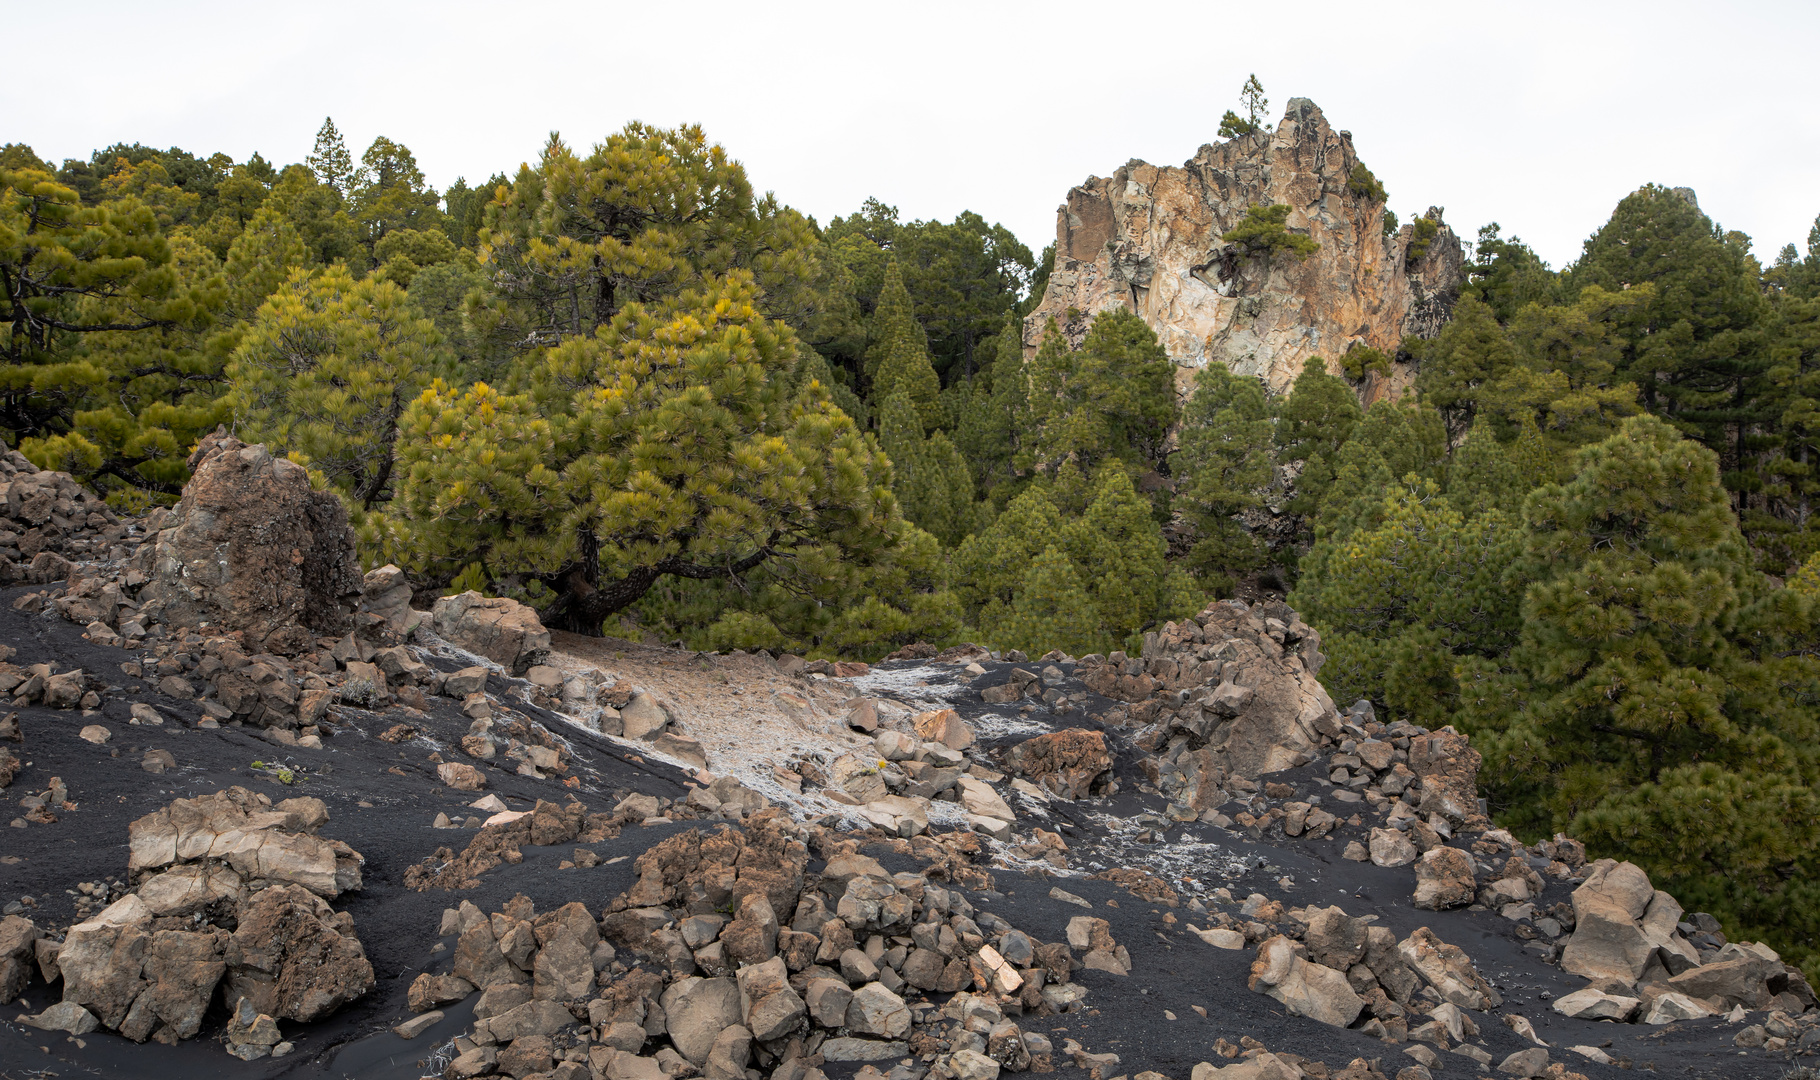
[1661, 704]
[330, 160]
[1696, 351]
[898, 355]
[1119, 552]
[1316, 421]
[1471, 351]
[1223, 463]
[1481, 476]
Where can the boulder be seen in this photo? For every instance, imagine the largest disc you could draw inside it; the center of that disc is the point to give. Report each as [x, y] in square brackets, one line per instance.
[1303, 987]
[1669, 1007]
[1066, 763]
[1389, 847]
[250, 546]
[1444, 879]
[697, 1011]
[294, 957]
[502, 630]
[18, 952]
[1608, 941]
[461, 776]
[1594, 1004]
[1448, 969]
[1736, 982]
[943, 726]
[643, 717]
[385, 592]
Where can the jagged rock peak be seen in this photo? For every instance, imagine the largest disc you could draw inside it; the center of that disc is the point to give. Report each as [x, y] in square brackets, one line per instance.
[1148, 239]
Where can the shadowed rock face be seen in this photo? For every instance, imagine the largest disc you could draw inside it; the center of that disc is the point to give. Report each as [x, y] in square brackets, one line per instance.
[1147, 239]
[251, 547]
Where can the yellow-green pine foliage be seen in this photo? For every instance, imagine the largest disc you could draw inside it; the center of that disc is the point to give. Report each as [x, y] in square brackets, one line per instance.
[679, 450]
[1399, 601]
[898, 356]
[105, 373]
[647, 214]
[326, 371]
[1661, 703]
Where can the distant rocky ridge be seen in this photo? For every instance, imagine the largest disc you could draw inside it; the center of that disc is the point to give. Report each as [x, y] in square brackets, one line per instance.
[1147, 239]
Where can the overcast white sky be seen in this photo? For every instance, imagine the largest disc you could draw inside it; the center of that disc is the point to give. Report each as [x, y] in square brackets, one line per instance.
[1538, 115]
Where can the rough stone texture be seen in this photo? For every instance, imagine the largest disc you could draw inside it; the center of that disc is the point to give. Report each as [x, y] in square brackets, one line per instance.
[1449, 769]
[1147, 239]
[1607, 942]
[1305, 988]
[697, 1011]
[193, 841]
[1444, 879]
[1066, 763]
[1241, 692]
[1448, 969]
[18, 938]
[502, 630]
[294, 957]
[1593, 1004]
[251, 547]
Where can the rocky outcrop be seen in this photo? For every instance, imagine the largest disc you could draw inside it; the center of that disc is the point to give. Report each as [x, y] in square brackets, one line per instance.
[251, 547]
[1148, 239]
[1231, 692]
[230, 899]
[48, 520]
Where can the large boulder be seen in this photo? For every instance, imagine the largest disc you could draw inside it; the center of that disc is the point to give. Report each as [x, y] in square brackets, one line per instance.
[502, 630]
[1304, 987]
[206, 848]
[294, 957]
[1608, 940]
[1067, 763]
[251, 546]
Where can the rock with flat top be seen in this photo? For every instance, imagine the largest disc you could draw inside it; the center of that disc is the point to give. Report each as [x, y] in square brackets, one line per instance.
[500, 629]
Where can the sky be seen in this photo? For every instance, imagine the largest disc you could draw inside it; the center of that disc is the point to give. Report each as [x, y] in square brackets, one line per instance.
[1539, 116]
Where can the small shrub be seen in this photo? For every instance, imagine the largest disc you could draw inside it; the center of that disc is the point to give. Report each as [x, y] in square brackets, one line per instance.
[1364, 184]
[1263, 232]
[1425, 232]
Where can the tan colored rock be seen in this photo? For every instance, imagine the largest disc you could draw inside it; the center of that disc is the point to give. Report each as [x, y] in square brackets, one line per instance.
[502, 630]
[943, 726]
[1389, 847]
[979, 798]
[643, 717]
[1444, 879]
[385, 592]
[1608, 941]
[1147, 239]
[461, 776]
[1303, 987]
[1448, 969]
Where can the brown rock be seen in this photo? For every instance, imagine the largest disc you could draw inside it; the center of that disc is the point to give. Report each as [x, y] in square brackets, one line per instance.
[428, 991]
[294, 957]
[461, 776]
[1067, 763]
[1444, 879]
[251, 547]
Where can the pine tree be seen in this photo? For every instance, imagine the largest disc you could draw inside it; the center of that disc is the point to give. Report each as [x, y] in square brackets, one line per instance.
[1051, 611]
[989, 564]
[1119, 553]
[1660, 702]
[1316, 421]
[995, 420]
[104, 366]
[1223, 463]
[1401, 600]
[668, 444]
[1469, 352]
[330, 160]
[1112, 399]
[1481, 476]
[898, 356]
[649, 213]
[388, 193]
[1696, 349]
[326, 371]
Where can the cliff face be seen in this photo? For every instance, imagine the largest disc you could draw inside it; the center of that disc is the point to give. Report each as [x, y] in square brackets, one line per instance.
[1147, 239]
